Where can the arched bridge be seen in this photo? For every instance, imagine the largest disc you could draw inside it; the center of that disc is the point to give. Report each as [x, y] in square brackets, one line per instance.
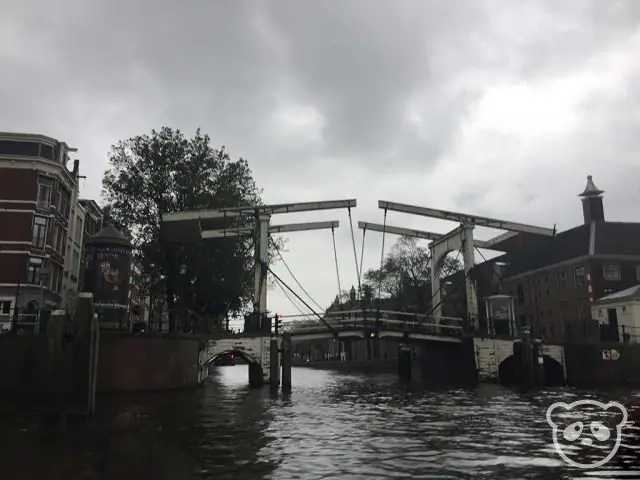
[256, 350]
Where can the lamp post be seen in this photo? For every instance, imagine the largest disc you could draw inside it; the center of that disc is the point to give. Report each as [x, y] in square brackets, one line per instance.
[43, 275]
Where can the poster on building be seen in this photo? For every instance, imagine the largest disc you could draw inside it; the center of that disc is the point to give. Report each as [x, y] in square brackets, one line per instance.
[108, 276]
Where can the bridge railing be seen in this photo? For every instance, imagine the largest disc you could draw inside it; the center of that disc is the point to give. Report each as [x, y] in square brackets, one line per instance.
[376, 320]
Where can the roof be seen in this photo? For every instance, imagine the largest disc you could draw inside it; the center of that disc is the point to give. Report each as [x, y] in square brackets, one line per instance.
[609, 238]
[109, 235]
[591, 190]
[632, 293]
[548, 251]
[617, 238]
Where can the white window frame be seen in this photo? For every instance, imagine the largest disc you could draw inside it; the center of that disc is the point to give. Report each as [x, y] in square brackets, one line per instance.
[611, 272]
[43, 228]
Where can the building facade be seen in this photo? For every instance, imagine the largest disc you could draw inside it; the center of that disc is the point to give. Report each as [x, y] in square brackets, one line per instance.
[93, 223]
[73, 256]
[37, 191]
[557, 281]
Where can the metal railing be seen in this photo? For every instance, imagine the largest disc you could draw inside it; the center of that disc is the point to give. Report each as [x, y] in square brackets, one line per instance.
[377, 320]
[24, 321]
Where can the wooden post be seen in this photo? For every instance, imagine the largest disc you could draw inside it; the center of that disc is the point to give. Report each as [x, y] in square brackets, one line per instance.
[86, 346]
[404, 362]
[286, 362]
[527, 360]
[274, 368]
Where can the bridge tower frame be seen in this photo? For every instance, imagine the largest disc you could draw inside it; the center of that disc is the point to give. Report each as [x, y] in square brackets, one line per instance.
[188, 226]
[460, 237]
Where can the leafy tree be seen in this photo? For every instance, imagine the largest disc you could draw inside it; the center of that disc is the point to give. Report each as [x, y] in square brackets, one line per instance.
[165, 171]
[405, 276]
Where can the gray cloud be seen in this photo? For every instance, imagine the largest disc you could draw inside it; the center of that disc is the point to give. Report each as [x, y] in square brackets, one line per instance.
[495, 108]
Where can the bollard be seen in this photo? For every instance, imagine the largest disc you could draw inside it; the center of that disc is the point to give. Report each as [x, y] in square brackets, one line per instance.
[286, 362]
[404, 362]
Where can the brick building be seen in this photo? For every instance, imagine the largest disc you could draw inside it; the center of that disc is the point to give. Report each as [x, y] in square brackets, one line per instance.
[93, 222]
[37, 190]
[555, 280]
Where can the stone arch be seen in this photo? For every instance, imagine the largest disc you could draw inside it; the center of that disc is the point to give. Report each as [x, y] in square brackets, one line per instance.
[553, 371]
[256, 372]
[509, 371]
[250, 359]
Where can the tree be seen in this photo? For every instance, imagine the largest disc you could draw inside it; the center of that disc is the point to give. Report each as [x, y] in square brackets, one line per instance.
[405, 275]
[163, 172]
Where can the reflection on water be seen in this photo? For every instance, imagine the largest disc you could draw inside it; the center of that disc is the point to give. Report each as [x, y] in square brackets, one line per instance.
[333, 425]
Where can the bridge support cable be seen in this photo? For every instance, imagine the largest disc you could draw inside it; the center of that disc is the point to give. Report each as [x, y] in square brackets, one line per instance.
[364, 232]
[498, 274]
[448, 294]
[291, 301]
[355, 252]
[335, 256]
[320, 317]
[293, 276]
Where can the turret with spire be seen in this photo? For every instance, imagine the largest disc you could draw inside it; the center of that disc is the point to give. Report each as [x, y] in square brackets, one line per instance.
[592, 207]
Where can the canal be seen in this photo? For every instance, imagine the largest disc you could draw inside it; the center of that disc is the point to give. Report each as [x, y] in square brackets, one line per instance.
[333, 426]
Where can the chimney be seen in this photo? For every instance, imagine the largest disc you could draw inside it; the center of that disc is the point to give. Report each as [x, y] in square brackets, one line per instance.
[592, 207]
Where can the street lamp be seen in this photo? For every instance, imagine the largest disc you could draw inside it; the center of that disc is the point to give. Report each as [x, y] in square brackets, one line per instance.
[43, 274]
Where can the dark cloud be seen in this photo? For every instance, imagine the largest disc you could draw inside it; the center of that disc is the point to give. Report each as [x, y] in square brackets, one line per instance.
[496, 108]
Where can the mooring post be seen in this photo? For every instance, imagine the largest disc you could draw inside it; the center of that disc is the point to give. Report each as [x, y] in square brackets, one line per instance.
[404, 362]
[274, 367]
[527, 359]
[286, 362]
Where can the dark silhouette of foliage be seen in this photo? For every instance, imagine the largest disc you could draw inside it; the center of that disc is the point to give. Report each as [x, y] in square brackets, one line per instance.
[165, 171]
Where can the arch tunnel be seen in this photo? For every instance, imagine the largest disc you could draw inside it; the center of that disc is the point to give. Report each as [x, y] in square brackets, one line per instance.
[510, 371]
[255, 368]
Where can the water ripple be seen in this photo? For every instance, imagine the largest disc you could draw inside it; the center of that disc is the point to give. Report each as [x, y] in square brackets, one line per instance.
[332, 426]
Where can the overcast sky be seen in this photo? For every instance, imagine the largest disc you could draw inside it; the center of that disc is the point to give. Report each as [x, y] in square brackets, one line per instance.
[496, 108]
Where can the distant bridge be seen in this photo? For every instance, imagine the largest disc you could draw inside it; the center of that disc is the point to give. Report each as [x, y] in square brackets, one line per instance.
[362, 323]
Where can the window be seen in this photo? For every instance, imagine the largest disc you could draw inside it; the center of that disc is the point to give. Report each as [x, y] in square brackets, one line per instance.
[611, 271]
[562, 280]
[638, 273]
[46, 151]
[580, 276]
[75, 263]
[32, 274]
[65, 202]
[39, 232]
[11, 147]
[78, 232]
[44, 194]
[5, 307]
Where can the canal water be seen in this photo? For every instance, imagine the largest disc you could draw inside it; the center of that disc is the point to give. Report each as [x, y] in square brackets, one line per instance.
[332, 426]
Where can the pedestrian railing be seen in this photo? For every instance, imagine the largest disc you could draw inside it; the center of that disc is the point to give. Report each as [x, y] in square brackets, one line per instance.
[378, 320]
